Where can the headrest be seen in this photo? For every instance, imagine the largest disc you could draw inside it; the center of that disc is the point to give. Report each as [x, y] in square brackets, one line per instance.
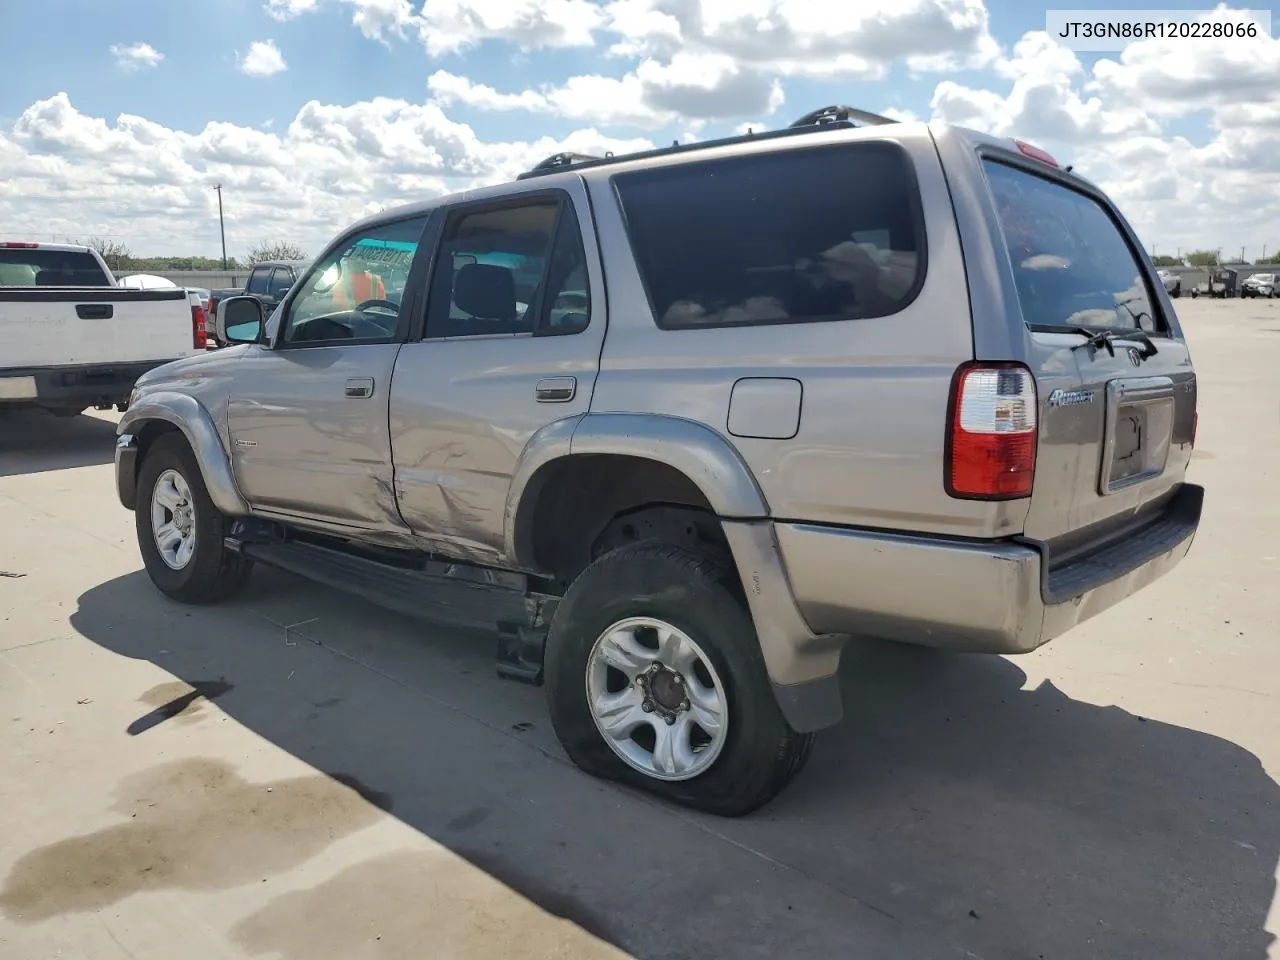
[486, 291]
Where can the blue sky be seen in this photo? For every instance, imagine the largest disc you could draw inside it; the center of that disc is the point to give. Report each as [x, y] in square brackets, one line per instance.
[331, 61]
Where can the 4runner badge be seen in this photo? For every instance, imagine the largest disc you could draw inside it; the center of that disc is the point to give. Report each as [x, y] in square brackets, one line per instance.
[1070, 398]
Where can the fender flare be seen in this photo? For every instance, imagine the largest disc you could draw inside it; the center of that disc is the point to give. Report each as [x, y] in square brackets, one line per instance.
[186, 413]
[695, 449]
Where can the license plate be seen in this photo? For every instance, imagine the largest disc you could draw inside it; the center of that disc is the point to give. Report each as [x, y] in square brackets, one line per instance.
[1139, 430]
[17, 388]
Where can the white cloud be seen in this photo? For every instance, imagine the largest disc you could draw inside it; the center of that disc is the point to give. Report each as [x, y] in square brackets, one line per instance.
[135, 56]
[264, 59]
[288, 9]
[66, 173]
[654, 95]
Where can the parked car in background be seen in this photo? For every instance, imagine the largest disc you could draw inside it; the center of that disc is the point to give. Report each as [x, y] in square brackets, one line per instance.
[148, 281]
[1172, 282]
[677, 524]
[1259, 285]
[1221, 284]
[72, 338]
[268, 281]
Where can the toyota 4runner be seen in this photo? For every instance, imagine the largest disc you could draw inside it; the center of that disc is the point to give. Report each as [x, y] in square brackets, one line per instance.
[675, 425]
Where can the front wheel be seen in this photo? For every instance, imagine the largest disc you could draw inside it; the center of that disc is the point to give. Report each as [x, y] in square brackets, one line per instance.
[654, 678]
[180, 531]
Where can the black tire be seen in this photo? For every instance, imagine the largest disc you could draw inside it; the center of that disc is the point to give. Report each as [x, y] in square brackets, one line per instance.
[699, 594]
[213, 573]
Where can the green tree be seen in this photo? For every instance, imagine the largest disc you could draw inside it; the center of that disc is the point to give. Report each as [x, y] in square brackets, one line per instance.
[1166, 261]
[1203, 258]
[276, 250]
[1274, 258]
[116, 254]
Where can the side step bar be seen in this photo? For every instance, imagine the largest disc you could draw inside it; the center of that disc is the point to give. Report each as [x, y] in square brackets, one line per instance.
[520, 618]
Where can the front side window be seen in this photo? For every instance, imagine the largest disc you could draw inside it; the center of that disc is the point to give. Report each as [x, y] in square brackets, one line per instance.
[1071, 264]
[355, 292]
[281, 280]
[510, 269]
[824, 233]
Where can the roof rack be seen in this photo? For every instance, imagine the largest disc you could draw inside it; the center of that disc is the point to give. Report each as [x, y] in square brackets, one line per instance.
[826, 118]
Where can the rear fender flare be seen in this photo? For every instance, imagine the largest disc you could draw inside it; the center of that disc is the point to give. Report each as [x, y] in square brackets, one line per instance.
[186, 413]
[696, 450]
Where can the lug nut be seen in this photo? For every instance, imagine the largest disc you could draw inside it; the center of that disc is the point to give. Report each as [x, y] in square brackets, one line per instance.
[678, 679]
[647, 706]
[670, 720]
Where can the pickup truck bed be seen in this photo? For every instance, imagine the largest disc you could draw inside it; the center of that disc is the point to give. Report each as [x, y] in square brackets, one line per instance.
[66, 348]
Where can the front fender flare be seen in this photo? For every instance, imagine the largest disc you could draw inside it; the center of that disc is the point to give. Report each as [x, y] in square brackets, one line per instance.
[186, 413]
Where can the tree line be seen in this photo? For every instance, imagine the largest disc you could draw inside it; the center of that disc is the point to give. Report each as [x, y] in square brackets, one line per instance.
[119, 257]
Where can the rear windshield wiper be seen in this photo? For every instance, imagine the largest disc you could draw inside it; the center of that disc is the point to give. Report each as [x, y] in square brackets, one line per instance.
[1105, 339]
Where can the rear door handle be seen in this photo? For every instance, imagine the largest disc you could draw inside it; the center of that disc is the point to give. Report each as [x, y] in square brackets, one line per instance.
[556, 389]
[359, 387]
[95, 311]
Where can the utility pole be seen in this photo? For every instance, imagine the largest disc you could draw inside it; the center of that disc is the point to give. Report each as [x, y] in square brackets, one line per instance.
[1242, 254]
[222, 229]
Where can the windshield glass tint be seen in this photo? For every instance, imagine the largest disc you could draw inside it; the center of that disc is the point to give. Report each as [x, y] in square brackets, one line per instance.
[1071, 263]
[50, 268]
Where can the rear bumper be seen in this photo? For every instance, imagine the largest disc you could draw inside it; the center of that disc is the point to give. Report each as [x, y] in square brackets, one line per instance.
[74, 386]
[982, 597]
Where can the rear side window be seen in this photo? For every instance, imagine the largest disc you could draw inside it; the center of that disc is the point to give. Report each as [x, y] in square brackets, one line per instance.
[830, 233]
[50, 268]
[1071, 264]
[258, 280]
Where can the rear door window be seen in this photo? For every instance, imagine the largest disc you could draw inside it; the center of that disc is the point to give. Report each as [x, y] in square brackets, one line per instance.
[792, 236]
[259, 280]
[1072, 265]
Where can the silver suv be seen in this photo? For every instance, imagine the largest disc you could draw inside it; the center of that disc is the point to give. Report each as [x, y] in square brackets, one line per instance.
[677, 424]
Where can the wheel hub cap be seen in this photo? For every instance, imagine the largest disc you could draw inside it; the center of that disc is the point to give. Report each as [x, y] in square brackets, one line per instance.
[656, 699]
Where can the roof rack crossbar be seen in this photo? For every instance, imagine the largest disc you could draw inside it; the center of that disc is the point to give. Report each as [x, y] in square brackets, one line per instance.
[825, 119]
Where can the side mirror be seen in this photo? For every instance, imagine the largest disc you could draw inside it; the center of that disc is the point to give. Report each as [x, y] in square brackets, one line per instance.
[239, 320]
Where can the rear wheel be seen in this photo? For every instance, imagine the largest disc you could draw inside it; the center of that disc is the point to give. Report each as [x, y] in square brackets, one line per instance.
[180, 531]
[654, 678]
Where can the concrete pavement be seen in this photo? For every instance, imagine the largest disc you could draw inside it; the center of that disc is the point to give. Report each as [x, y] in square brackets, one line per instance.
[299, 775]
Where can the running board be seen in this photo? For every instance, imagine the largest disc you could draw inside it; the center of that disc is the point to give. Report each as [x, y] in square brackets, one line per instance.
[520, 619]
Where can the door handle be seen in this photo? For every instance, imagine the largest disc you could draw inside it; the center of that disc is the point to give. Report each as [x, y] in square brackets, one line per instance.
[359, 387]
[94, 311]
[556, 389]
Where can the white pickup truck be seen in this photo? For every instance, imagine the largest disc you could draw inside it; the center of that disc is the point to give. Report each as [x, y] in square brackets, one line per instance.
[71, 338]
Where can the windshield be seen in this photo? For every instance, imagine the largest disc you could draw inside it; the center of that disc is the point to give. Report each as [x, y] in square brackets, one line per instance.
[50, 268]
[1071, 264]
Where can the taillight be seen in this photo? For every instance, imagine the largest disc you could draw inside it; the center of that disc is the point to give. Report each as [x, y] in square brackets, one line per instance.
[199, 333]
[16, 245]
[1036, 153]
[991, 443]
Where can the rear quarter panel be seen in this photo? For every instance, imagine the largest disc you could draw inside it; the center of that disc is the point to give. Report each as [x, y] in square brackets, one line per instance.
[870, 443]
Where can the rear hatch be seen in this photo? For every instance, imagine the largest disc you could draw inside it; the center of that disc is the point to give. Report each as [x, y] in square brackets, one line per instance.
[1115, 384]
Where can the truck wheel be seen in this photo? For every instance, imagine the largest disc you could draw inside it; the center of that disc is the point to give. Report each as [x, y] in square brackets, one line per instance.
[180, 531]
[654, 678]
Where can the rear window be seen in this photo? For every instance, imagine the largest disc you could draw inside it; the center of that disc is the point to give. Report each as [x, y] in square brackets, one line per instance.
[1072, 265]
[50, 268]
[830, 233]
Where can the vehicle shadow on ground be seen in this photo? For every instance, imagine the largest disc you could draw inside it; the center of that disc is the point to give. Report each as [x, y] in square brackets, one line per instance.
[33, 441]
[951, 805]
